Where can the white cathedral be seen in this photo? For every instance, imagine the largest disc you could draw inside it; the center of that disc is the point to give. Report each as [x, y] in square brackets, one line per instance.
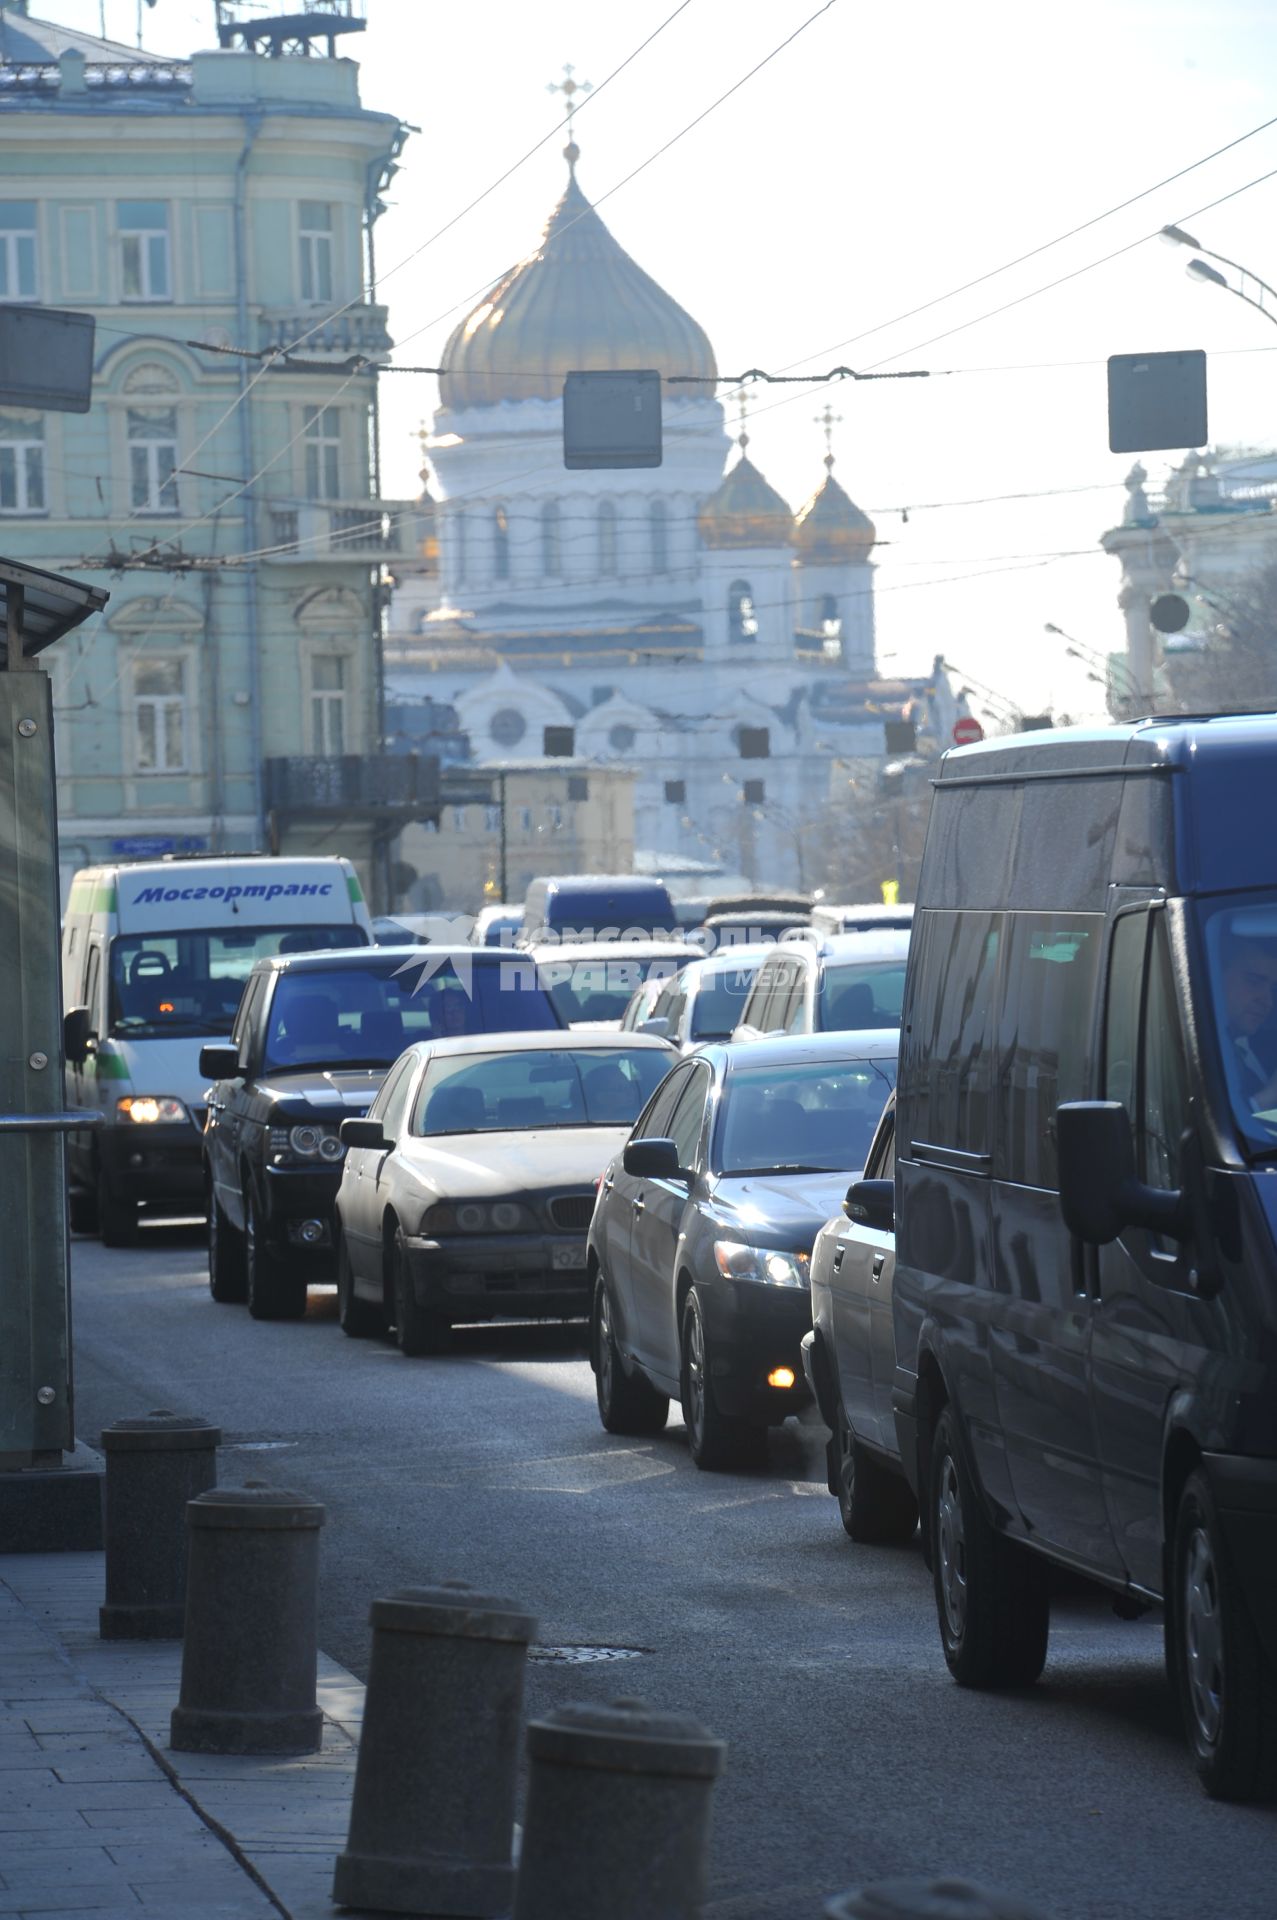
[680, 621]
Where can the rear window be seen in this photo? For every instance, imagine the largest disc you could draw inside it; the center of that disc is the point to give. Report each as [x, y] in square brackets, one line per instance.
[607, 911]
[513, 1092]
[357, 1016]
[590, 990]
[861, 994]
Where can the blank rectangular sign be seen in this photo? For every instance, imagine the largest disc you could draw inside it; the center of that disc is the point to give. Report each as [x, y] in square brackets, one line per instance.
[612, 419]
[1156, 401]
[46, 359]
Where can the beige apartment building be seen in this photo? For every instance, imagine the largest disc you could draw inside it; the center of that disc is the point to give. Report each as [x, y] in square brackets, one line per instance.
[559, 816]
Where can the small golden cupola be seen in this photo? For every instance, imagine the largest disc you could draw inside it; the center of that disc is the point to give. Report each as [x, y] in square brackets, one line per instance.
[745, 510]
[831, 529]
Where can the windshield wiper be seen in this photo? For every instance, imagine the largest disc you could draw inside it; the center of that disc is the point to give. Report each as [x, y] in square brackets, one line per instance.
[787, 1166]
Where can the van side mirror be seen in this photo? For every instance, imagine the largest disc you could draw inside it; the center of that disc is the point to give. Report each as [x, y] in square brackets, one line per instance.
[77, 1035]
[364, 1133]
[1099, 1191]
[872, 1203]
[220, 1061]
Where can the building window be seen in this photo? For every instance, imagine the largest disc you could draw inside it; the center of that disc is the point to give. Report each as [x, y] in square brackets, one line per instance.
[159, 715]
[492, 819]
[22, 465]
[830, 619]
[525, 819]
[17, 250]
[755, 793]
[754, 742]
[555, 817]
[323, 453]
[500, 545]
[676, 793]
[658, 532]
[459, 819]
[328, 703]
[621, 737]
[507, 727]
[459, 527]
[315, 235]
[578, 787]
[607, 540]
[144, 250]
[742, 621]
[599, 694]
[153, 460]
[551, 540]
[559, 742]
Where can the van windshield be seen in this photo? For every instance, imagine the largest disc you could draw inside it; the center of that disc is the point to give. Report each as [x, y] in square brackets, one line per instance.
[1241, 949]
[190, 982]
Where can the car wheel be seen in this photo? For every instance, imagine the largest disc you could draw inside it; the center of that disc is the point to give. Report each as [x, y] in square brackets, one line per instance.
[992, 1594]
[877, 1506]
[1227, 1688]
[273, 1289]
[715, 1439]
[357, 1318]
[227, 1272]
[418, 1329]
[117, 1217]
[628, 1402]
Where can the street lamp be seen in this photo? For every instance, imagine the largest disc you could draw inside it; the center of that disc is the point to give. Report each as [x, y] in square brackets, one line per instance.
[1198, 270]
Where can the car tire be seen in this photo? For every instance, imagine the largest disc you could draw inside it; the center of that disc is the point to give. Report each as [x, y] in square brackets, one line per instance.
[82, 1209]
[117, 1217]
[273, 1289]
[418, 1330]
[628, 1402]
[1226, 1687]
[357, 1318]
[877, 1506]
[992, 1594]
[716, 1440]
[227, 1272]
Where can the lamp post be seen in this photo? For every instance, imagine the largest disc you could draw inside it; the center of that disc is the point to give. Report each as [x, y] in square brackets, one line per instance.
[1197, 269]
[1091, 657]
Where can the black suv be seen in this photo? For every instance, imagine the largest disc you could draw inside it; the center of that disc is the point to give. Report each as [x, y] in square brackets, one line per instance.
[313, 1038]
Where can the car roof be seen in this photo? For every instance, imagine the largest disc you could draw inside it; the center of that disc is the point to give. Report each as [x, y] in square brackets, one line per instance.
[868, 943]
[726, 959]
[542, 1040]
[382, 959]
[866, 1043]
[612, 950]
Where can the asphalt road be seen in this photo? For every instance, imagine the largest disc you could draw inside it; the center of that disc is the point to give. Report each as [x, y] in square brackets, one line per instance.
[851, 1754]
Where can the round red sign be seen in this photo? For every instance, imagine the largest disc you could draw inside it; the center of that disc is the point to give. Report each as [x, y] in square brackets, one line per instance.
[967, 731]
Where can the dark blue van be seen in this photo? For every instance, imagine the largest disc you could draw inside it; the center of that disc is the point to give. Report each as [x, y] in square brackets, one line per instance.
[596, 906]
[1085, 1304]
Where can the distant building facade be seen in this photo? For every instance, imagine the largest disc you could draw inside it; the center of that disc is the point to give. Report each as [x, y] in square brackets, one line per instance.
[678, 622]
[230, 696]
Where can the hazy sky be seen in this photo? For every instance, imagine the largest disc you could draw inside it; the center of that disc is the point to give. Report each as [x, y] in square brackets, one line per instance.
[888, 155]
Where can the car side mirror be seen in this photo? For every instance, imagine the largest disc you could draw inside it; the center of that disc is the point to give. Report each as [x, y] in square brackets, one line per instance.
[1099, 1191]
[220, 1061]
[872, 1203]
[364, 1133]
[652, 1160]
[77, 1035]
[657, 1024]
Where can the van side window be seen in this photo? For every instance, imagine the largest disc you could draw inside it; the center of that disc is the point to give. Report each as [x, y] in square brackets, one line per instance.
[949, 1043]
[1163, 1113]
[1122, 1018]
[1044, 1035]
[91, 971]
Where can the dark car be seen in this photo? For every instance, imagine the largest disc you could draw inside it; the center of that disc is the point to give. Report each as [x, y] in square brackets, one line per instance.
[311, 1044]
[701, 1239]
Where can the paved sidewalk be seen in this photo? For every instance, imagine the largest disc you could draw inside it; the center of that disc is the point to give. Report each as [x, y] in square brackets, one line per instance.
[99, 1820]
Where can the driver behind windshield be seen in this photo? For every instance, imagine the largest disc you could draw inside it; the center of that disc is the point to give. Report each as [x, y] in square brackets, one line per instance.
[1250, 986]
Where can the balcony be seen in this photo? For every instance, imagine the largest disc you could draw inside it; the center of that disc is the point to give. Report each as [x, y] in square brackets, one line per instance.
[353, 785]
[355, 530]
[315, 335]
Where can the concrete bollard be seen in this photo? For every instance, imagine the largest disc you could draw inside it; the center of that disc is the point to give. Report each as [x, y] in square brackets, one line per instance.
[925, 1900]
[154, 1465]
[250, 1653]
[617, 1816]
[432, 1818]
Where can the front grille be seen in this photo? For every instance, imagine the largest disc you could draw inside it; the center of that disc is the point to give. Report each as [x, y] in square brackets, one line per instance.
[572, 1211]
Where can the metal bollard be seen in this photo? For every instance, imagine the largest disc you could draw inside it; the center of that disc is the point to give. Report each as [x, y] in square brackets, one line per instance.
[154, 1466]
[925, 1900]
[617, 1816]
[432, 1819]
[250, 1653]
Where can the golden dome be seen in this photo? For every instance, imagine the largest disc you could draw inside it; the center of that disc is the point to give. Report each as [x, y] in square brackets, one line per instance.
[578, 304]
[831, 527]
[744, 510]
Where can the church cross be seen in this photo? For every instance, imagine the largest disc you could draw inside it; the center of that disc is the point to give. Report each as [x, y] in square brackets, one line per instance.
[569, 88]
[829, 420]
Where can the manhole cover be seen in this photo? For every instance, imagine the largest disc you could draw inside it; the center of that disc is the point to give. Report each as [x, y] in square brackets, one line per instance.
[577, 1656]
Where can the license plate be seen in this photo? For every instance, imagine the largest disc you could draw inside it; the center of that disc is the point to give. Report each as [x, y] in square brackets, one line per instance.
[568, 1253]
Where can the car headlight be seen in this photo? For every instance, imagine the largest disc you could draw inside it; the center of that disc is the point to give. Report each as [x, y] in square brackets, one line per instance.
[769, 1265]
[306, 1141]
[144, 1109]
[475, 1216]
